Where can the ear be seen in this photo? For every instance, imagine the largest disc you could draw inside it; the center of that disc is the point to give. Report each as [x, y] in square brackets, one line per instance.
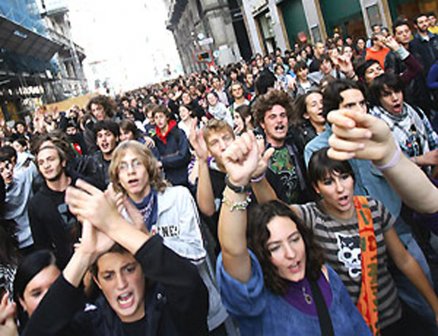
[306, 116]
[23, 304]
[97, 282]
[317, 190]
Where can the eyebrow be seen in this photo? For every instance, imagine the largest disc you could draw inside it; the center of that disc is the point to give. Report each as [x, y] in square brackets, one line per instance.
[288, 237]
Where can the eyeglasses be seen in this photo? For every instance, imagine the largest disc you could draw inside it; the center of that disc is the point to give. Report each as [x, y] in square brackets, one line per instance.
[126, 166]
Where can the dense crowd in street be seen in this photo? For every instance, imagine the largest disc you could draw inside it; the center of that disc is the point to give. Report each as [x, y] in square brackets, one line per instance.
[293, 194]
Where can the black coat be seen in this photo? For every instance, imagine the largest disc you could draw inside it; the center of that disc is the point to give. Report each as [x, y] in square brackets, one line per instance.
[176, 302]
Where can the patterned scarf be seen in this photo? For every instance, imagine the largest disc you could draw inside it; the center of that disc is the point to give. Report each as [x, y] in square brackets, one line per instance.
[367, 302]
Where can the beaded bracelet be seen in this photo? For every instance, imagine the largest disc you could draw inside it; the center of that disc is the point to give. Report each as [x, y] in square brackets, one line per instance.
[393, 162]
[239, 206]
[257, 179]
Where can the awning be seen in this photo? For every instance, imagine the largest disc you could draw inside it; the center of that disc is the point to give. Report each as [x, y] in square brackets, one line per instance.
[17, 39]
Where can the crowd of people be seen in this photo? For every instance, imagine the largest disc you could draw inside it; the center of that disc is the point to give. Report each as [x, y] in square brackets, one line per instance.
[295, 193]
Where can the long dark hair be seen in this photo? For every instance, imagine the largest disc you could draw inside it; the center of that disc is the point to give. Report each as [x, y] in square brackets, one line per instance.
[258, 235]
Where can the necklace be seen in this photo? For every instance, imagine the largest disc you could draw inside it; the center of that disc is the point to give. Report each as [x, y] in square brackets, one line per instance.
[307, 296]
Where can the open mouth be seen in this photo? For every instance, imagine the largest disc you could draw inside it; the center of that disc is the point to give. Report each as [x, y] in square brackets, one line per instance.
[125, 300]
[397, 107]
[344, 200]
[279, 128]
[295, 267]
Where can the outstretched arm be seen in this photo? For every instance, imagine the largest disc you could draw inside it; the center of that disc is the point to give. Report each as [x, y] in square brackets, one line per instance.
[240, 160]
[363, 136]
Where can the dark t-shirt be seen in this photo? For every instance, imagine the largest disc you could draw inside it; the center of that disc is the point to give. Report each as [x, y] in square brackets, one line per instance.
[283, 177]
[137, 328]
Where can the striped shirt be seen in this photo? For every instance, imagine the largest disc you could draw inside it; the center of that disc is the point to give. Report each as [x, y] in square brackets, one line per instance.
[340, 242]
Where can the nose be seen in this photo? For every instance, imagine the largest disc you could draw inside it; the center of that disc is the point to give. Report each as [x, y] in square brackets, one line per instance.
[222, 145]
[121, 281]
[289, 252]
[394, 96]
[339, 185]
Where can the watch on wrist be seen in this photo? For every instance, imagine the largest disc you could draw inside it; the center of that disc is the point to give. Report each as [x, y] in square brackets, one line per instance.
[236, 189]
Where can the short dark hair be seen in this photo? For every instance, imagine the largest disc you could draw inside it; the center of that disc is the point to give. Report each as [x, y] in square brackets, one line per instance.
[362, 67]
[264, 81]
[129, 125]
[385, 81]
[399, 23]
[107, 125]
[320, 166]
[265, 102]
[332, 94]
[300, 66]
[161, 109]
[258, 236]
[8, 153]
[416, 17]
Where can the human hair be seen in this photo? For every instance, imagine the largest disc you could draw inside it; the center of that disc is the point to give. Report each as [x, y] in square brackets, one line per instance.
[258, 235]
[146, 157]
[107, 125]
[265, 103]
[28, 268]
[332, 94]
[362, 67]
[416, 17]
[215, 126]
[245, 111]
[300, 66]
[381, 84]
[161, 109]
[60, 142]
[321, 166]
[116, 248]
[300, 107]
[327, 58]
[129, 126]
[399, 23]
[106, 102]
[21, 140]
[264, 81]
[8, 153]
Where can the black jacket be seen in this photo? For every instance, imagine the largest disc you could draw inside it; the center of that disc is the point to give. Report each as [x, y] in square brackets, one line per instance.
[176, 302]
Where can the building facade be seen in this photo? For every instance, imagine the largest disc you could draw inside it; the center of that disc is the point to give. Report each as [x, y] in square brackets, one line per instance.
[277, 23]
[70, 79]
[208, 32]
[26, 51]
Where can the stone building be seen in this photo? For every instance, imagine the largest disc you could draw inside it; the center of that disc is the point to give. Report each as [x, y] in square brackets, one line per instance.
[207, 32]
[276, 23]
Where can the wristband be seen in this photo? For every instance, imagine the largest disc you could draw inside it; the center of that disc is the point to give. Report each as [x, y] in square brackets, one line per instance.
[393, 162]
[236, 189]
[257, 179]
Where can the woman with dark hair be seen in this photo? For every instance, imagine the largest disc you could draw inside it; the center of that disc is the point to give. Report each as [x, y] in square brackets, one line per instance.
[243, 120]
[308, 117]
[346, 222]
[34, 276]
[340, 221]
[146, 289]
[271, 272]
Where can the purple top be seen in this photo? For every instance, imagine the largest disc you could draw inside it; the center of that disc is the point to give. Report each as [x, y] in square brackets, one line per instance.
[300, 295]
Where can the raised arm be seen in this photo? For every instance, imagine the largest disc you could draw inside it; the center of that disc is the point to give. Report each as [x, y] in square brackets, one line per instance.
[204, 191]
[240, 160]
[363, 136]
[90, 204]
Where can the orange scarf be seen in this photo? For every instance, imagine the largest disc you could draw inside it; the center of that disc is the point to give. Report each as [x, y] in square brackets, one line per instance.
[367, 302]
